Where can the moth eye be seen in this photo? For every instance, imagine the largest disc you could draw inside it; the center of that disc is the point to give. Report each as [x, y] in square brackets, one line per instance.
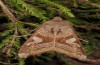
[72, 40]
[37, 39]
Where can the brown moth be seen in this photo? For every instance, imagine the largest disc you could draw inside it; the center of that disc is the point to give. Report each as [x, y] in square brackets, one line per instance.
[54, 35]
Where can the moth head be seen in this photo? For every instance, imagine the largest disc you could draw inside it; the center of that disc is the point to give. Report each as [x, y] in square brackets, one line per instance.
[57, 19]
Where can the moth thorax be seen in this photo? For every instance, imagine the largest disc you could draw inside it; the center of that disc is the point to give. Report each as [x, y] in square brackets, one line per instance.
[55, 30]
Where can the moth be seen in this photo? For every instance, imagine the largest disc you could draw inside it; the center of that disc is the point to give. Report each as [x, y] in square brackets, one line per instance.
[54, 35]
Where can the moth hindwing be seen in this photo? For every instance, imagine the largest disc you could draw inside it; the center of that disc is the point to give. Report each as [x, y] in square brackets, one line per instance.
[54, 35]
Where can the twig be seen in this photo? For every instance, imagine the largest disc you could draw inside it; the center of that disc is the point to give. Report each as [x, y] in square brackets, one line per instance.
[11, 44]
[87, 27]
[23, 35]
[96, 5]
[4, 63]
[14, 20]
[57, 10]
[94, 61]
[84, 40]
[8, 13]
[31, 24]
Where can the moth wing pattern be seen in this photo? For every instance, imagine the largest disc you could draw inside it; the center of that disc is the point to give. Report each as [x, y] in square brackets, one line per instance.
[68, 42]
[41, 39]
[54, 35]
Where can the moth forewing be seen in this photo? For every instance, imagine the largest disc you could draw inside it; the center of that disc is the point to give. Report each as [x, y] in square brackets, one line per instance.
[54, 35]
